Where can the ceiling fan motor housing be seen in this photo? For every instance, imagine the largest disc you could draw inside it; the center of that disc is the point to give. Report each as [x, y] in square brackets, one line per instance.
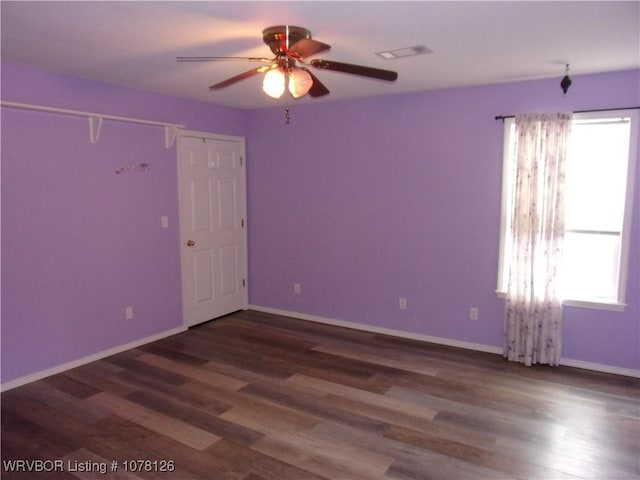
[281, 37]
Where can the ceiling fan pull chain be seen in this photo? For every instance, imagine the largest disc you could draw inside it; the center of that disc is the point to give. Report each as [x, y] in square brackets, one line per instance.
[287, 117]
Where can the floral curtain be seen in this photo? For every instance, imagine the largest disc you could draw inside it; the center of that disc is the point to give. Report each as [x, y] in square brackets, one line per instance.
[533, 314]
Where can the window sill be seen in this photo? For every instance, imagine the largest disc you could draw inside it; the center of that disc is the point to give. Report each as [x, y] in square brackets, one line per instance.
[610, 306]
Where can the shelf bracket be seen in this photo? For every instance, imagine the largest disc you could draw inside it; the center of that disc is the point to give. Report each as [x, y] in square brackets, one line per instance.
[170, 134]
[95, 124]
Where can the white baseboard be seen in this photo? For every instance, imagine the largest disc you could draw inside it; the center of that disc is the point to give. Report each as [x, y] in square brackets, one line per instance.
[385, 331]
[91, 358]
[597, 367]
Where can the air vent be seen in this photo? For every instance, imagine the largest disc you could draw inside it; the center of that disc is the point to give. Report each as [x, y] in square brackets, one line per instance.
[404, 52]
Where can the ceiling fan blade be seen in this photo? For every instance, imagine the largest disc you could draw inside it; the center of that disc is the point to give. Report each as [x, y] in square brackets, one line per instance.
[241, 76]
[317, 88]
[215, 59]
[306, 47]
[371, 72]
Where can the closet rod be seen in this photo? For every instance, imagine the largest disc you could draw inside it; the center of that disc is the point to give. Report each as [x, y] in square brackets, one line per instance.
[502, 117]
[95, 120]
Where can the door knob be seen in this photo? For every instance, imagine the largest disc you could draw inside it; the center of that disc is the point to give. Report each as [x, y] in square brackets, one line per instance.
[190, 243]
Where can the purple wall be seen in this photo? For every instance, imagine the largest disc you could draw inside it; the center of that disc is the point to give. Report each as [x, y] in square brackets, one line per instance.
[79, 243]
[370, 200]
[361, 202]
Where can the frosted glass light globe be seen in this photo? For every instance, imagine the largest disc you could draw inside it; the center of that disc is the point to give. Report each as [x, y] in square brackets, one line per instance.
[273, 83]
[299, 82]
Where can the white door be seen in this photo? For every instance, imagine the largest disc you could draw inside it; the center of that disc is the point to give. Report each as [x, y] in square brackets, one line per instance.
[211, 179]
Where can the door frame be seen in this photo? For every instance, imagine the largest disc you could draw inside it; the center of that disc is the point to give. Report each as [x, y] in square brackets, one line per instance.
[243, 208]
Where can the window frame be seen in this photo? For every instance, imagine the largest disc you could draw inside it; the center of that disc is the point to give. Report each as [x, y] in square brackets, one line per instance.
[625, 238]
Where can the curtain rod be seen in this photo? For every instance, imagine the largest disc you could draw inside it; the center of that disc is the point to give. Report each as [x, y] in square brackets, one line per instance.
[502, 117]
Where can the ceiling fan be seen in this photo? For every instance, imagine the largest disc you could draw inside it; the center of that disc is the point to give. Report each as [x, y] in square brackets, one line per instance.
[291, 46]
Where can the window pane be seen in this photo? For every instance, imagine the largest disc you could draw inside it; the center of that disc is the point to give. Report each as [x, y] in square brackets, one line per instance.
[602, 153]
[596, 176]
[590, 266]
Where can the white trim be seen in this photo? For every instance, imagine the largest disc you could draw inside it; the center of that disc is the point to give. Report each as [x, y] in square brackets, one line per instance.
[609, 306]
[213, 136]
[18, 382]
[597, 367]
[627, 222]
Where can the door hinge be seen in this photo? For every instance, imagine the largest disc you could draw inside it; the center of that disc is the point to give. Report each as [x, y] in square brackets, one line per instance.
[242, 222]
[244, 282]
[241, 161]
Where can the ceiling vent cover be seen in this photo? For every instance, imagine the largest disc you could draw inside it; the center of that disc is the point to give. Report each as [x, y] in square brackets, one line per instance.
[404, 52]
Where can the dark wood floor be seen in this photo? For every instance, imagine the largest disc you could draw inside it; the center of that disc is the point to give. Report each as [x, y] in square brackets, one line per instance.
[255, 396]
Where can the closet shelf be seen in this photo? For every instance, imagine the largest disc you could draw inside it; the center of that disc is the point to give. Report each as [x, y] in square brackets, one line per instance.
[95, 120]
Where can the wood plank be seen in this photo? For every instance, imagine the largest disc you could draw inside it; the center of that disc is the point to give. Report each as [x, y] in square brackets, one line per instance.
[266, 419]
[193, 373]
[188, 463]
[363, 396]
[170, 427]
[258, 464]
[63, 402]
[133, 366]
[167, 348]
[387, 358]
[23, 437]
[100, 375]
[314, 404]
[63, 432]
[469, 453]
[123, 440]
[71, 386]
[334, 460]
[203, 418]
[380, 442]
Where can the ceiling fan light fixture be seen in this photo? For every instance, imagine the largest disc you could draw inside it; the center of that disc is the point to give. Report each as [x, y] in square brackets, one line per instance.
[299, 82]
[273, 83]
[292, 44]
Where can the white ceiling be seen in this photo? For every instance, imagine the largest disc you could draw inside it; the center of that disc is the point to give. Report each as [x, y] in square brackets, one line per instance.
[473, 43]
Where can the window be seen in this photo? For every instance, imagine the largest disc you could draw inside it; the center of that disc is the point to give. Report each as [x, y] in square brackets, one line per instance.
[598, 195]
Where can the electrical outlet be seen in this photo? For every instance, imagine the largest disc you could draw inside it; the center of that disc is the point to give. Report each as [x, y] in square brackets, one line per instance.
[128, 312]
[473, 313]
[402, 303]
[164, 221]
[297, 288]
